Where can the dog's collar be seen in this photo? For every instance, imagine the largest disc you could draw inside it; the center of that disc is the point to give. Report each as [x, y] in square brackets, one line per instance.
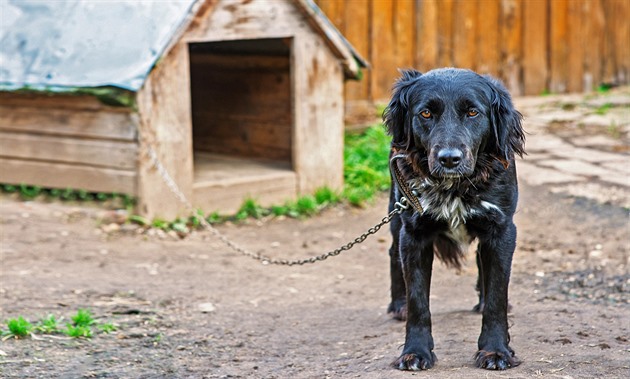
[409, 196]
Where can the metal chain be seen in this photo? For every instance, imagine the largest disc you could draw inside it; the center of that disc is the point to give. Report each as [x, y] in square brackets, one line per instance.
[399, 207]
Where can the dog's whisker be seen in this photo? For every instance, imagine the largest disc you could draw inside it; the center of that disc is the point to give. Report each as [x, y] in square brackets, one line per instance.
[471, 183]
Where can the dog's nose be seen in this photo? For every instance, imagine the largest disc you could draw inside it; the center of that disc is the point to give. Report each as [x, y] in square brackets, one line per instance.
[450, 158]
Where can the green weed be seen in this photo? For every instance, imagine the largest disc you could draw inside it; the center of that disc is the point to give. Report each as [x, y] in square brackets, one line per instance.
[78, 331]
[603, 109]
[214, 218]
[83, 318]
[604, 88]
[366, 167]
[250, 208]
[18, 328]
[107, 328]
[306, 205]
[81, 326]
[48, 325]
[29, 192]
[326, 196]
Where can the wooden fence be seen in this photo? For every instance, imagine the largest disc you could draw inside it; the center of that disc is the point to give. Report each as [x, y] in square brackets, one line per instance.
[534, 46]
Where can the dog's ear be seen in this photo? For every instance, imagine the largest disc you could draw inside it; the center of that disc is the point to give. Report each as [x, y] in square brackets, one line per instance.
[506, 123]
[395, 117]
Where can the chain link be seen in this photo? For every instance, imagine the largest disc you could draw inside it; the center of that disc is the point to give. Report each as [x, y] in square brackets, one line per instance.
[399, 207]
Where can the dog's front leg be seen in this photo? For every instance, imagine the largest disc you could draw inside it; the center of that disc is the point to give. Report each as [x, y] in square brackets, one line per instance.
[417, 263]
[496, 261]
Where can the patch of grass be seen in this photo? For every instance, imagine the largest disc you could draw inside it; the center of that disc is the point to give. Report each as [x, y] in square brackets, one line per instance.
[306, 205]
[251, 208]
[604, 88]
[366, 165]
[326, 196]
[30, 192]
[48, 325]
[603, 109]
[81, 326]
[107, 328]
[18, 328]
[83, 317]
[214, 218]
[76, 331]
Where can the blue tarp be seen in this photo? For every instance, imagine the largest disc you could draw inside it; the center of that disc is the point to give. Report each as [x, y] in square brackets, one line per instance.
[61, 44]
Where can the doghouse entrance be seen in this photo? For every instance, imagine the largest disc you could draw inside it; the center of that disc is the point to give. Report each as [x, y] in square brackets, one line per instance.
[242, 118]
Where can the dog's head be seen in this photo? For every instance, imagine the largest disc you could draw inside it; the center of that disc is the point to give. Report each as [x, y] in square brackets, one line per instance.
[451, 116]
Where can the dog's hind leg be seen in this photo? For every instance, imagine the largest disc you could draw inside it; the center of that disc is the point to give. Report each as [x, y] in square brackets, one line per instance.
[398, 306]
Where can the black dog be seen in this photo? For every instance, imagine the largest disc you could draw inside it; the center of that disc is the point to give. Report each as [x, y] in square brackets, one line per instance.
[454, 137]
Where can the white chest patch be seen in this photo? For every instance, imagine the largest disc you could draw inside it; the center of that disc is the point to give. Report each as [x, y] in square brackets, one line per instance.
[438, 200]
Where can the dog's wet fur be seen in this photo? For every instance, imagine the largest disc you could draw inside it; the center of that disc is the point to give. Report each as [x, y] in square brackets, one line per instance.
[460, 133]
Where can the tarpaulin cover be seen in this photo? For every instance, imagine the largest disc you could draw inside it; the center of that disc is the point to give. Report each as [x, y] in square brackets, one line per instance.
[62, 44]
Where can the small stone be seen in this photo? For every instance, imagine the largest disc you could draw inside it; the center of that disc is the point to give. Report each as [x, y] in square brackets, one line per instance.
[109, 228]
[207, 307]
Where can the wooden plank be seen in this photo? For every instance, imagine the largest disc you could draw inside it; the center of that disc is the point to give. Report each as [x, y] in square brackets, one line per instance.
[53, 100]
[222, 168]
[318, 117]
[384, 69]
[464, 33]
[427, 36]
[100, 153]
[511, 34]
[335, 11]
[594, 44]
[535, 47]
[608, 61]
[577, 40]
[242, 62]
[559, 46]
[404, 32]
[165, 129]
[445, 33]
[356, 30]
[62, 122]
[488, 31]
[61, 175]
[622, 41]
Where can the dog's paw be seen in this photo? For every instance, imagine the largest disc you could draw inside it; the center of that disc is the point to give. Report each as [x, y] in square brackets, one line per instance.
[496, 360]
[398, 310]
[415, 362]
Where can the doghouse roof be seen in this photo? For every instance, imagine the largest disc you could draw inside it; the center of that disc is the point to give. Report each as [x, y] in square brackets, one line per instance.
[63, 45]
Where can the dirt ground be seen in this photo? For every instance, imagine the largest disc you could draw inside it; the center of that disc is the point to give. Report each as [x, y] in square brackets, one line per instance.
[192, 308]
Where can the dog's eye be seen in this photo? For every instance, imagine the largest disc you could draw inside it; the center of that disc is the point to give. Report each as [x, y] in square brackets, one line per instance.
[472, 113]
[425, 113]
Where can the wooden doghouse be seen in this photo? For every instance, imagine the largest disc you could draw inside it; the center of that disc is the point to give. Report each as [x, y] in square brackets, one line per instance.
[236, 98]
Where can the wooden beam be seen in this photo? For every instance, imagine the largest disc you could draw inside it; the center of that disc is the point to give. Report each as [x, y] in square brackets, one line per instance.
[42, 119]
[100, 153]
[62, 175]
